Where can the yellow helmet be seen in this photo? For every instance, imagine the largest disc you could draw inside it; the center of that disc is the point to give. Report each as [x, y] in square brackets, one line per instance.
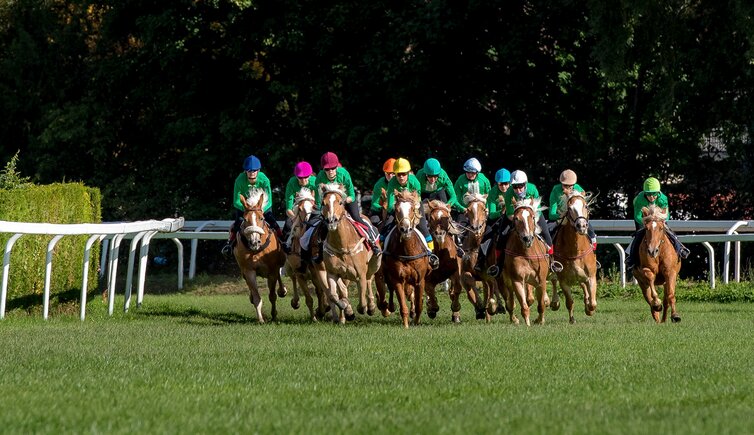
[401, 165]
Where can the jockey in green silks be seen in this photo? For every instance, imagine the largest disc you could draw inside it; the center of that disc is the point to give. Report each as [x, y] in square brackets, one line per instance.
[651, 194]
[566, 186]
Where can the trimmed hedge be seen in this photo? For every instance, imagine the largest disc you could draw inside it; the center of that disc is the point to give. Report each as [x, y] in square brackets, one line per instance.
[60, 203]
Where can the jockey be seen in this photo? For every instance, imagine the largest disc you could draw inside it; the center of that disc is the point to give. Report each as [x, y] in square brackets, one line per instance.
[495, 220]
[471, 179]
[566, 186]
[651, 195]
[522, 189]
[250, 178]
[387, 168]
[333, 172]
[405, 181]
[435, 183]
[302, 178]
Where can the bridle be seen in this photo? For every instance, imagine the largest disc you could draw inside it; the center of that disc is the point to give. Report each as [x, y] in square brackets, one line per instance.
[329, 214]
[478, 227]
[412, 218]
[250, 225]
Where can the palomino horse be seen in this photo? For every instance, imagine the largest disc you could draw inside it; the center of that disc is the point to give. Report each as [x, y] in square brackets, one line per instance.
[406, 258]
[303, 207]
[573, 249]
[476, 212]
[258, 252]
[526, 262]
[659, 264]
[442, 229]
[345, 255]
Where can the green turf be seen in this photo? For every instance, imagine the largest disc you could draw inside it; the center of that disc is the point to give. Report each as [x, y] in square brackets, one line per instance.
[198, 362]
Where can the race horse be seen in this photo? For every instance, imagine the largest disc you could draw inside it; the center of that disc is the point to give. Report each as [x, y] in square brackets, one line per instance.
[526, 263]
[443, 230]
[300, 276]
[346, 255]
[406, 262]
[659, 264]
[476, 214]
[573, 249]
[258, 252]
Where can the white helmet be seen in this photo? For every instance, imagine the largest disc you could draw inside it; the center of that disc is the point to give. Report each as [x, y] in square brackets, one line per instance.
[519, 177]
[472, 165]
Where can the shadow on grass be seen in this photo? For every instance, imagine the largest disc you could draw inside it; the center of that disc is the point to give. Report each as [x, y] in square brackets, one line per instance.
[66, 302]
[194, 316]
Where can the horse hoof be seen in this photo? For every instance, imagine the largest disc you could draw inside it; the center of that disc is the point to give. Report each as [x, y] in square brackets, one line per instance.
[572, 320]
[555, 305]
[295, 304]
[282, 291]
[360, 309]
[455, 318]
[500, 309]
[675, 318]
[350, 317]
[480, 314]
[431, 314]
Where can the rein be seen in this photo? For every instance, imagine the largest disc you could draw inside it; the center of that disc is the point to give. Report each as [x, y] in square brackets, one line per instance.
[528, 257]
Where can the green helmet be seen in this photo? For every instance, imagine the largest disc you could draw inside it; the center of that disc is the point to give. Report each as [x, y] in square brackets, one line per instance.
[651, 185]
[432, 167]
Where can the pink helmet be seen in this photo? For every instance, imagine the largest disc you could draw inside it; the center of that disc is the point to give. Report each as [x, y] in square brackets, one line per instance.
[329, 160]
[302, 169]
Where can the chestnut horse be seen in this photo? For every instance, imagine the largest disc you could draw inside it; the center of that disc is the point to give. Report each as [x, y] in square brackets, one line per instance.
[345, 255]
[526, 262]
[442, 228]
[303, 207]
[258, 252]
[573, 249]
[406, 258]
[476, 212]
[659, 264]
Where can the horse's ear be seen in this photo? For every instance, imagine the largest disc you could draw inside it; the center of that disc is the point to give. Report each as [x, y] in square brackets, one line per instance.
[395, 192]
[260, 203]
[484, 197]
[644, 211]
[243, 200]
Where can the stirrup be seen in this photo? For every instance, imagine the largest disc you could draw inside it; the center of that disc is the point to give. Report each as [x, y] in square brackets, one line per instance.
[434, 261]
[227, 250]
[684, 252]
[493, 271]
[556, 266]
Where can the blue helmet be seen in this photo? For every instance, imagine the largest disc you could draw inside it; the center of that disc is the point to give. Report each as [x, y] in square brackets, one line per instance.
[502, 176]
[252, 163]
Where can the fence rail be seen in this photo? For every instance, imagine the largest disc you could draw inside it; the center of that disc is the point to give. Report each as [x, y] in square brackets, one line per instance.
[141, 231]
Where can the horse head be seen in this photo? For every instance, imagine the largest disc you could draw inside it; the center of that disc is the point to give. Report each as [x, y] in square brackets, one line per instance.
[653, 218]
[304, 203]
[407, 214]
[253, 226]
[440, 221]
[476, 212]
[524, 220]
[577, 211]
[333, 204]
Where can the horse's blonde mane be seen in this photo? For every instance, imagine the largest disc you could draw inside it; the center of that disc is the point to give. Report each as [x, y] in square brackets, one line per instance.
[253, 197]
[564, 198]
[653, 213]
[304, 194]
[474, 196]
[437, 204]
[332, 187]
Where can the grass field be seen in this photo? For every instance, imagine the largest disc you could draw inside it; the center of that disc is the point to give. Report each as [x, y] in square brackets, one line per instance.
[198, 362]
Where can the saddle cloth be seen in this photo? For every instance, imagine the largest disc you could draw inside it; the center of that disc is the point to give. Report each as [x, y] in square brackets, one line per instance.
[368, 232]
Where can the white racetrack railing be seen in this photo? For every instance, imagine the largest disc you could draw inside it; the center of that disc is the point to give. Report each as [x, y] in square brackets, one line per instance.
[141, 231]
[726, 232]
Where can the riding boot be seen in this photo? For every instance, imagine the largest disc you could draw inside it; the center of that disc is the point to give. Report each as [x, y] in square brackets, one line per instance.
[374, 244]
[682, 251]
[320, 252]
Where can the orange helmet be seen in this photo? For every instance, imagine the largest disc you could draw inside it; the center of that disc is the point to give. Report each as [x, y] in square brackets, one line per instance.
[388, 166]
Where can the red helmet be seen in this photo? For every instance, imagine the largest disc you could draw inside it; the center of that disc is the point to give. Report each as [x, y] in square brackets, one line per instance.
[329, 160]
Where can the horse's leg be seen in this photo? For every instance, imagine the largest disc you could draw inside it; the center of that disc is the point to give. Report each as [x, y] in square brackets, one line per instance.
[590, 295]
[510, 294]
[455, 296]
[418, 300]
[256, 300]
[379, 281]
[542, 300]
[529, 294]
[569, 301]
[669, 300]
[490, 302]
[371, 305]
[362, 284]
[520, 287]
[296, 283]
[343, 295]
[402, 301]
[555, 302]
[271, 281]
[308, 294]
[432, 306]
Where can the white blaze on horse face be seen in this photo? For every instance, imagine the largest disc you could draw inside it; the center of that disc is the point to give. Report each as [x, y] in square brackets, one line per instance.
[331, 211]
[525, 218]
[654, 225]
[438, 215]
[404, 212]
[578, 208]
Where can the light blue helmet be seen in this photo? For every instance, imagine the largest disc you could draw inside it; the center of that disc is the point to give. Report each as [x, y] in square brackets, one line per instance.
[252, 163]
[472, 165]
[502, 176]
[432, 167]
